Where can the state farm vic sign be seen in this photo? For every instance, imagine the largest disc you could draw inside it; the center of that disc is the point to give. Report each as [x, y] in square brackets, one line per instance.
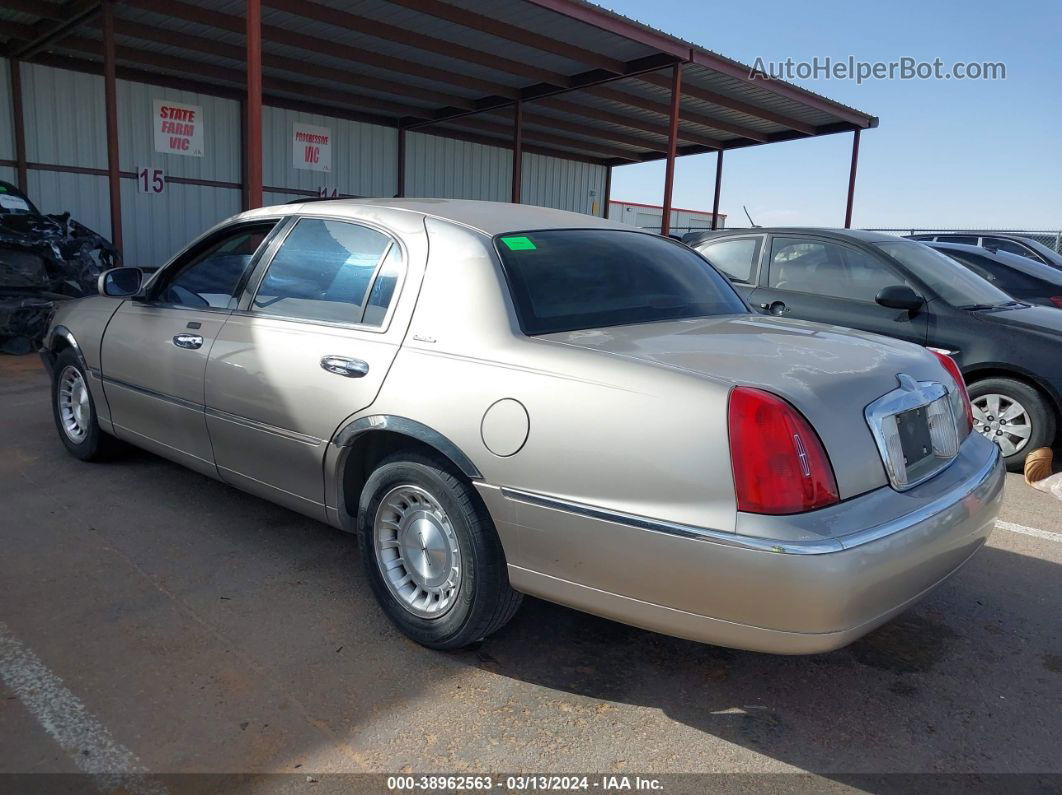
[178, 128]
[311, 147]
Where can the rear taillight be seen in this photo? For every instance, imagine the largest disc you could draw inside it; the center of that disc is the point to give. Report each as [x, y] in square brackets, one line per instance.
[960, 387]
[1056, 300]
[780, 465]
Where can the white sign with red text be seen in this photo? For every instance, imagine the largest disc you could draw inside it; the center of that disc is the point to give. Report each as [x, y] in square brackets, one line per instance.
[178, 128]
[311, 147]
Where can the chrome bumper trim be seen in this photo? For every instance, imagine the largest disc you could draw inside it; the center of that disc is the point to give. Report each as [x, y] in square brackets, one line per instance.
[673, 528]
[810, 547]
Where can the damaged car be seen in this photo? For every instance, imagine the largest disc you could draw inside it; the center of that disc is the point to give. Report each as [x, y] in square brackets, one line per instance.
[43, 259]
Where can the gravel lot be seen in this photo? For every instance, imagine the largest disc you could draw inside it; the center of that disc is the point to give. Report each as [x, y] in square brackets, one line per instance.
[204, 630]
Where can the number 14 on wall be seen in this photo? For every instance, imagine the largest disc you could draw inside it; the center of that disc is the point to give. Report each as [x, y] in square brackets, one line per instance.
[150, 180]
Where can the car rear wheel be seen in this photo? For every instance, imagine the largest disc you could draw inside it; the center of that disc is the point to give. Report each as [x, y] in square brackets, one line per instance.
[75, 412]
[1014, 416]
[431, 553]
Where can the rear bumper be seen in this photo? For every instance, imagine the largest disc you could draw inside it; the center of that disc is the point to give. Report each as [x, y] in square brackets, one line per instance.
[787, 585]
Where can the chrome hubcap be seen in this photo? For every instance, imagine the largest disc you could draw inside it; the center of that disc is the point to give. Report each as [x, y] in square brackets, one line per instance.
[1003, 420]
[417, 551]
[74, 406]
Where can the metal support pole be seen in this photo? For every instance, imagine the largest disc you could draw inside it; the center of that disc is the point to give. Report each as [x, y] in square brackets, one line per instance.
[19, 121]
[518, 148]
[672, 146]
[253, 141]
[401, 163]
[110, 99]
[852, 179]
[608, 192]
[718, 188]
[244, 198]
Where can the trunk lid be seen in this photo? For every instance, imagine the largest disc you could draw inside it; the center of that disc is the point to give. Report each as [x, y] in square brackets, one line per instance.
[830, 374]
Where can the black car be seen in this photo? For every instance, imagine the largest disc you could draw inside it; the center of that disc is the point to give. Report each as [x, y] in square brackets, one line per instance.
[1018, 277]
[1008, 244]
[1008, 350]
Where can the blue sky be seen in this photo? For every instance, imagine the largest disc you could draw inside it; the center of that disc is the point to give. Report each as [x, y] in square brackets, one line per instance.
[970, 153]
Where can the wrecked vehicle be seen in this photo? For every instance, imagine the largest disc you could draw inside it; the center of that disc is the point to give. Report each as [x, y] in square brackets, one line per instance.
[43, 259]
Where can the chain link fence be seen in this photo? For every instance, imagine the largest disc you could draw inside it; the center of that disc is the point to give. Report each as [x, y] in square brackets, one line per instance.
[1050, 238]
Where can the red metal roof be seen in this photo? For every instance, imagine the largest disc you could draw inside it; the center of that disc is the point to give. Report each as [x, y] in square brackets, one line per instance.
[593, 85]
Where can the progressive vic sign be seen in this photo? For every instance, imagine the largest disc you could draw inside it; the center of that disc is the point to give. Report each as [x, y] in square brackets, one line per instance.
[311, 147]
[178, 128]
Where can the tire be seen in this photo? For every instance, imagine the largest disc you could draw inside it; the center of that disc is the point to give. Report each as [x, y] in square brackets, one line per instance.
[996, 401]
[74, 411]
[456, 589]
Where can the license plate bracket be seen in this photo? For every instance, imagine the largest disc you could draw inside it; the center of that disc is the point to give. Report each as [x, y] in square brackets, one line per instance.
[915, 441]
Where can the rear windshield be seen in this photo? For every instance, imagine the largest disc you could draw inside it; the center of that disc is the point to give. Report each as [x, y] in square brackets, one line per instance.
[14, 202]
[571, 279]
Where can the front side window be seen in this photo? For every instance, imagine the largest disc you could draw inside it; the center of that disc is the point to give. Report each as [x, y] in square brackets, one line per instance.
[210, 273]
[571, 279]
[324, 270]
[824, 268]
[735, 258]
[956, 284]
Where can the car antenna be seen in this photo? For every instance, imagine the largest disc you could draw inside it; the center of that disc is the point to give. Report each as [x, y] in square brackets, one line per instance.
[752, 223]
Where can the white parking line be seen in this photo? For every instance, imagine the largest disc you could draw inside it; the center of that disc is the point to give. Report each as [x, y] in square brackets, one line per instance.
[1030, 531]
[69, 723]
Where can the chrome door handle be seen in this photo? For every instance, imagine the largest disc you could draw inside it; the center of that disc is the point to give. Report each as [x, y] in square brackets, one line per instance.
[190, 341]
[341, 365]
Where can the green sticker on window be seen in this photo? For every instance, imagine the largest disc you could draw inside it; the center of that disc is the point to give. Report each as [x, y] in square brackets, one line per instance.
[519, 243]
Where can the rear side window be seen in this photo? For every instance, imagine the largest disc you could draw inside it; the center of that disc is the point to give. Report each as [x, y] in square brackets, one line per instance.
[324, 271]
[570, 279]
[735, 258]
[1008, 246]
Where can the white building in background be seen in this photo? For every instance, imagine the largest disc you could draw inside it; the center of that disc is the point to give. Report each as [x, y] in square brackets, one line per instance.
[648, 216]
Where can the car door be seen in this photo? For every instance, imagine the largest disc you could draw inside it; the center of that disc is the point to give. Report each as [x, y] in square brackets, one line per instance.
[309, 346]
[736, 258]
[154, 351]
[826, 281]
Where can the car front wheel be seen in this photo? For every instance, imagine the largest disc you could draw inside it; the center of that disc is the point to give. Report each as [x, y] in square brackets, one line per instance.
[74, 411]
[1014, 416]
[431, 553]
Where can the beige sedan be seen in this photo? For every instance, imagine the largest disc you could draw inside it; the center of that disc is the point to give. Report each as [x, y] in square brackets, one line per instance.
[501, 399]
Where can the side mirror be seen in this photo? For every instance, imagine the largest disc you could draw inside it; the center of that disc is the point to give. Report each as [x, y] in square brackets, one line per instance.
[120, 282]
[900, 296]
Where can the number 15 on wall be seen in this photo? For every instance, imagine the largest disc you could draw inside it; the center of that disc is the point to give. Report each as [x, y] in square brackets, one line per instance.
[150, 180]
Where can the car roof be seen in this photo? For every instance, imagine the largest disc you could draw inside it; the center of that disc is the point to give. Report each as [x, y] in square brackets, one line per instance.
[490, 218]
[860, 235]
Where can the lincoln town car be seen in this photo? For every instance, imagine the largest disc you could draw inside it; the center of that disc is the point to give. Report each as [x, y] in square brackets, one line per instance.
[500, 400]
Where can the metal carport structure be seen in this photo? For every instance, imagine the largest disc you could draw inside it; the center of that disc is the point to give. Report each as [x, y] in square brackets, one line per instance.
[563, 78]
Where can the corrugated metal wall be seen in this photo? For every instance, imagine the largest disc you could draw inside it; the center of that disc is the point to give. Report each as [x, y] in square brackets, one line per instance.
[439, 167]
[7, 131]
[65, 127]
[364, 156]
[563, 184]
[157, 226]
